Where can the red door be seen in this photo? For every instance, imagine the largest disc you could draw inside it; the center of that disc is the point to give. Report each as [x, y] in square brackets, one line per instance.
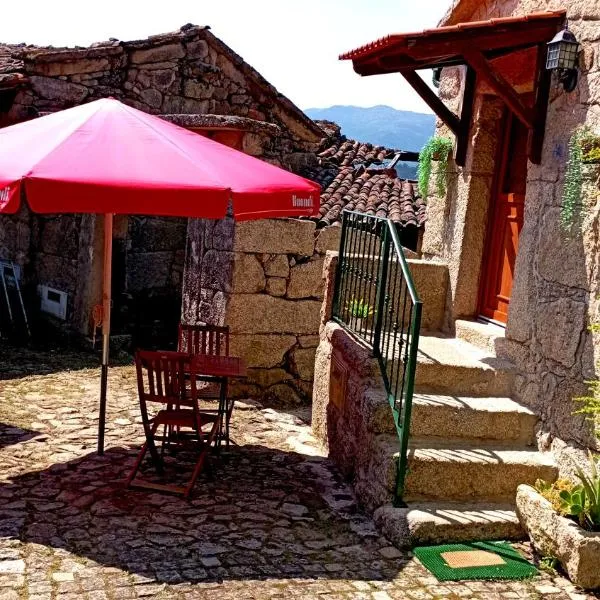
[505, 223]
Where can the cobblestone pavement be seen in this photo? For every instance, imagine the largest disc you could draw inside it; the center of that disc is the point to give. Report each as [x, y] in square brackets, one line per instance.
[275, 520]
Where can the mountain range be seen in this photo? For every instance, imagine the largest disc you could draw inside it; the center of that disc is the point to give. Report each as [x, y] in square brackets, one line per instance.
[380, 125]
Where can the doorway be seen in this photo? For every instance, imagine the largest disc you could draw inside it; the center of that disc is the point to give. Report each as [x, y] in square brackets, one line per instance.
[505, 222]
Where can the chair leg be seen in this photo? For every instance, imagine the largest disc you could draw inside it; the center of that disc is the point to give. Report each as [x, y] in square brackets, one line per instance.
[203, 455]
[227, 420]
[156, 458]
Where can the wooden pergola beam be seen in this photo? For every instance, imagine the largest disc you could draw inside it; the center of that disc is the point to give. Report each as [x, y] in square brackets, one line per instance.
[543, 79]
[429, 97]
[462, 137]
[496, 81]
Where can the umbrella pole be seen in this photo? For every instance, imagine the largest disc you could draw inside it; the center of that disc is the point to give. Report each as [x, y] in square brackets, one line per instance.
[106, 300]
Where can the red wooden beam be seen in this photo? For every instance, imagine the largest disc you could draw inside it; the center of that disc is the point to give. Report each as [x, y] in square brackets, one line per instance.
[497, 82]
[540, 108]
[436, 105]
[462, 138]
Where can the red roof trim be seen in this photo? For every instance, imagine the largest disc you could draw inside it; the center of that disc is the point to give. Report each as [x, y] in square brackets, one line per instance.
[402, 39]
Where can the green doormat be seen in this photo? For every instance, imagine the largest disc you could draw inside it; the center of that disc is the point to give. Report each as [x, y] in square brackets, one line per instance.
[475, 560]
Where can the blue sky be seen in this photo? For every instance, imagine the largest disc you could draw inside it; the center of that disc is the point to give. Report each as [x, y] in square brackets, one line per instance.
[293, 44]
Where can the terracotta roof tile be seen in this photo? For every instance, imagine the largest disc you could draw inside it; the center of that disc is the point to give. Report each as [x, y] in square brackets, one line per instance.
[397, 39]
[351, 177]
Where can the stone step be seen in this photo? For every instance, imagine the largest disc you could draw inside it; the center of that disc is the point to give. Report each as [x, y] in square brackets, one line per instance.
[452, 366]
[464, 417]
[452, 470]
[454, 417]
[483, 334]
[423, 523]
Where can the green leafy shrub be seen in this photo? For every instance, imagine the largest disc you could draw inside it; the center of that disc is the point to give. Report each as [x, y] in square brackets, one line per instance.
[592, 155]
[571, 196]
[359, 308]
[580, 502]
[584, 147]
[590, 146]
[552, 491]
[590, 405]
[590, 515]
[436, 148]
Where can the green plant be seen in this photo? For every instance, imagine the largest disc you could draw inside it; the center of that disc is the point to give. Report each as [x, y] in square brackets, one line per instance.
[584, 147]
[590, 404]
[552, 491]
[549, 564]
[591, 494]
[359, 308]
[592, 155]
[573, 503]
[590, 146]
[436, 148]
[571, 196]
[580, 502]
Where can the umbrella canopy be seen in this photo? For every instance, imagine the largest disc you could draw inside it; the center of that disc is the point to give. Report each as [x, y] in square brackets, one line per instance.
[106, 157]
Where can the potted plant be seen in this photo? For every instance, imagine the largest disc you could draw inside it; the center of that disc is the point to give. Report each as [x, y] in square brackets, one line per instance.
[563, 522]
[358, 310]
[437, 148]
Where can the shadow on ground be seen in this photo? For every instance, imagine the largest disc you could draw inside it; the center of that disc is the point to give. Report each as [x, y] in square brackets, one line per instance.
[9, 434]
[23, 361]
[264, 514]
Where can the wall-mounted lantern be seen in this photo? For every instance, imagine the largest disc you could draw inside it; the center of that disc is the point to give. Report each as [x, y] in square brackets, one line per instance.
[563, 53]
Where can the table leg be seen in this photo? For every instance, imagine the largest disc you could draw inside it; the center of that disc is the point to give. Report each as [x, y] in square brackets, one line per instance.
[226, 415]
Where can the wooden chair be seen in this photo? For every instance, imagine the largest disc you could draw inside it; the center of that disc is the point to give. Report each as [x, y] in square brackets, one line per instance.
[168, 379]
[203, 339]
[208, 339]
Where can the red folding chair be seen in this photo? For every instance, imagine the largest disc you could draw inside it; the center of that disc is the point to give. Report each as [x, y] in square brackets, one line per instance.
[212, 340]
[203, 339]
[168, 380]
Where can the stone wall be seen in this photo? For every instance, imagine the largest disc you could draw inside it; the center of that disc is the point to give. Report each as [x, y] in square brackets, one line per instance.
[263, 279]
[557, 283]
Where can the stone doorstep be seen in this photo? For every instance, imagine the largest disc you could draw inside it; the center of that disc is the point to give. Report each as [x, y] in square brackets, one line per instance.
[483, 334]
[422, 523]
[455, 471]
[452, 366]
[455, 417]
[464, 417]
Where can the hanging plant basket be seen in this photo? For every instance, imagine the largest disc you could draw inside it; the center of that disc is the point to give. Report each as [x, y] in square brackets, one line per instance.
[436, 149]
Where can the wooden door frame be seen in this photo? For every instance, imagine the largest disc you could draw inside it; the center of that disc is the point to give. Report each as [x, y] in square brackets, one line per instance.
[500, 160]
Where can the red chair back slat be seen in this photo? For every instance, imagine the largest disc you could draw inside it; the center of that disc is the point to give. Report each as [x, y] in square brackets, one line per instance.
[203, 339]
[161, 376]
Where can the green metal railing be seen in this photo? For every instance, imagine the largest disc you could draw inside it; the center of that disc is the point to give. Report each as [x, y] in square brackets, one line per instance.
[376, 300]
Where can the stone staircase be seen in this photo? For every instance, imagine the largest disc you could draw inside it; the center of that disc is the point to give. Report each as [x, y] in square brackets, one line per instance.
[471, 445]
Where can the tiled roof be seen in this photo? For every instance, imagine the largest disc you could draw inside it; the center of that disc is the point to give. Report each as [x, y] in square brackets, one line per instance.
[352, 176]
[399, 40]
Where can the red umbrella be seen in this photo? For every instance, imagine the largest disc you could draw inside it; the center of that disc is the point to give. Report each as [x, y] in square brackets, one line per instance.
[106, 157]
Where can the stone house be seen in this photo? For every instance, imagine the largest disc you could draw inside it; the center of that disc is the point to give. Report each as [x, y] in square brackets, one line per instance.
[190, 77]
[495, 383]
[193, 79]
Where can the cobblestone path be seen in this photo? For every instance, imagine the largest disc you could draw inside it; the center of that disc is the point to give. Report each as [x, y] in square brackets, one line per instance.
[275, 521]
